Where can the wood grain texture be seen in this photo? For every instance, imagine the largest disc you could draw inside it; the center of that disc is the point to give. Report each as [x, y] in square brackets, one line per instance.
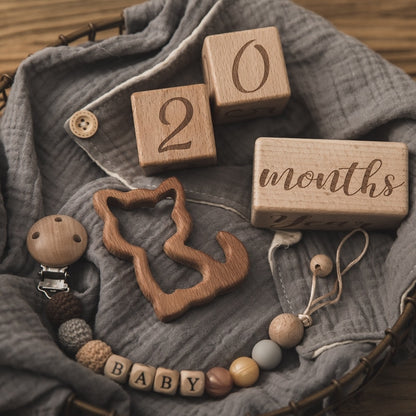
[173, 128]
[57, 241]
[246, 74]
[217, 277]
[388, 27]
[329, 184]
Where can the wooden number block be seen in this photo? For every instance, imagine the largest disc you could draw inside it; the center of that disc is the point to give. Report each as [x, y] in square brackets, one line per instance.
[142, 377]
[329, 184]
[192, 383]
[246, 74]
[173, 128]
[117, 368]
[166, 381]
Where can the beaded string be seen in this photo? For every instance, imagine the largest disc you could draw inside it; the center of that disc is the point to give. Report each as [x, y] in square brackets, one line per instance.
[75, 336]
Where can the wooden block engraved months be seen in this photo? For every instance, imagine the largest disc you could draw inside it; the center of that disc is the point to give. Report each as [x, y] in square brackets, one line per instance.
[246, 74]
[329, 184]
[173, 128]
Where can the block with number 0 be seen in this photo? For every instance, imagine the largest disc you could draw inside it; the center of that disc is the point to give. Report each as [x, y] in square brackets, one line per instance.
[173, 128]
[246, 74]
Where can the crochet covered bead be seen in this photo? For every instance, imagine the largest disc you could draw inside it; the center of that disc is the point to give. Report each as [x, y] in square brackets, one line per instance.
[62, 307]
[73, 334]
[93, 355]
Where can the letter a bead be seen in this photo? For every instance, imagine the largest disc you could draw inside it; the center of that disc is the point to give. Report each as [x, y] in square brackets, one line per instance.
[166, 381]
[142, 377]
[117, 368]
[192, 383]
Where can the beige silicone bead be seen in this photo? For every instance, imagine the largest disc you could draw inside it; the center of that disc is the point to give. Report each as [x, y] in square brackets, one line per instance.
[94, 354]
[286, 330]
[244, 371]
[321, 265]
[117, 368]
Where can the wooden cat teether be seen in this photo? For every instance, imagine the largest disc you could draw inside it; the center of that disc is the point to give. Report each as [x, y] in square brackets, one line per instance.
[217, 277]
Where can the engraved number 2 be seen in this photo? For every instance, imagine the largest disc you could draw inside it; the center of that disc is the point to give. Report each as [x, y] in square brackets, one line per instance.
[236, 63]
[189, 111]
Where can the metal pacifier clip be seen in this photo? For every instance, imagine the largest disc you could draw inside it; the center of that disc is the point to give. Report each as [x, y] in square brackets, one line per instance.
[56, 242]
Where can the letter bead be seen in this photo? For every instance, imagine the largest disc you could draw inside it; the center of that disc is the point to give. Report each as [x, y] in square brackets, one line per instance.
[142, 377]
[286, 330]
[218, 382]
[117, 368]
[267, 354]
[321, 265]
[192, 383]
[244, 371]
[166, 381]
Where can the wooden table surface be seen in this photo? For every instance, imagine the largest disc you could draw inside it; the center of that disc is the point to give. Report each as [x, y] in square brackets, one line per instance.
[388, 27]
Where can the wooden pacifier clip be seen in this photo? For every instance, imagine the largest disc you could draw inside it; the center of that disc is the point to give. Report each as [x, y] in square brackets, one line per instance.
[217, 277]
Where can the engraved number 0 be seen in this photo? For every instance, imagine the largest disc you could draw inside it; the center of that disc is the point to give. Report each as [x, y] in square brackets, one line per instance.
[236, 63]
[189, 111]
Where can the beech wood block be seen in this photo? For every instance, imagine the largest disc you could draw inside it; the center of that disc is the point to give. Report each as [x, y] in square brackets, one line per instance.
[117, 368]
[329, 184]
[246, 74]
[192, 383]
[142, 377]
[166, 381]
[173, 128]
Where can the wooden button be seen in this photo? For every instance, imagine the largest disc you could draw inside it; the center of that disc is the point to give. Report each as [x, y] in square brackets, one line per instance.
[166, 381]
[117, 368]
[192, 383]
[83, 124]
[142, 376]
[57, 241]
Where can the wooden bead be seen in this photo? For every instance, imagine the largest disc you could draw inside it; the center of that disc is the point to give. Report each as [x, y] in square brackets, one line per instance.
[57, 241]
[192, 383]
[218, 382]
[321, 265]
[142, 377]
[117, 368]
[244, 371]
[62, 307]
[267, 354]
[286, 330]
[93, 355]
[173, 128]
[246, 74]
[166, 381]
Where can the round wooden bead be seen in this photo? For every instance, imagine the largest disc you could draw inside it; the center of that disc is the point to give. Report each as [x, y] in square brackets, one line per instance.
[321, 265]
[57, 241]
[73, 334]
[218, 382]
[93, 355]
[62, 307]
[244, 371]
[286, 330]
[267, 354]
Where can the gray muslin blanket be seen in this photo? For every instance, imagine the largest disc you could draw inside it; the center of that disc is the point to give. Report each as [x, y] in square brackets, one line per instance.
[340, 90]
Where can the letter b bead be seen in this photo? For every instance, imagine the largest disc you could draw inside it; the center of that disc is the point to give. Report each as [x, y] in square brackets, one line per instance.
[166, 381]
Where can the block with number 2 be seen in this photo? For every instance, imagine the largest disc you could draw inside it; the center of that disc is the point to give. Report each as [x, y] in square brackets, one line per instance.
[246, 74]
[173, 128]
